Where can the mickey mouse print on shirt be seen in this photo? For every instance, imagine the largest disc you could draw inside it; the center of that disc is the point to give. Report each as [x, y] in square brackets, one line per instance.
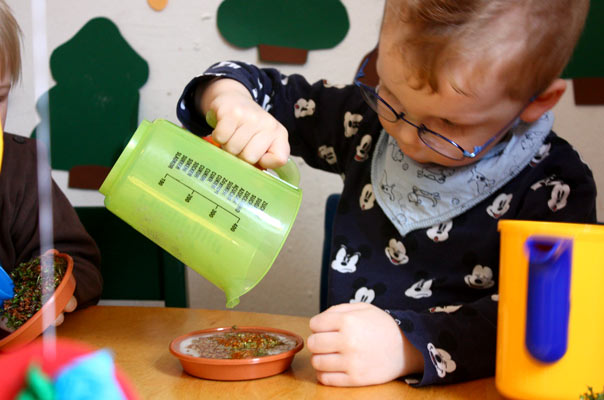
[363, 149]
[559, 197]
[396, 252]
[328, 154]
[266, 101]
[559, 194]
[345, 262]
[481, 278]
[420, 289]
[227, 64]
[367, 199]
[442, 361]
[541, 154]
[440, 232]
[445, 309]
[328, 84]
[304, 108]
[500, 205]
[351, 123]
[364, 294]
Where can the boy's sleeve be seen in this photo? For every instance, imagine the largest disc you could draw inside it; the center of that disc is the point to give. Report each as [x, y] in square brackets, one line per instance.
[457, 344]
[560, 188]
[318, 117]
[71, 237]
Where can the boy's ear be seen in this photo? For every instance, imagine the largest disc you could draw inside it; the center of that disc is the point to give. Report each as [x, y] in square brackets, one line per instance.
[544, 102]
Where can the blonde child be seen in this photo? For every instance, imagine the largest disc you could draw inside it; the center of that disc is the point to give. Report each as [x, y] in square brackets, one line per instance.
[20, 229]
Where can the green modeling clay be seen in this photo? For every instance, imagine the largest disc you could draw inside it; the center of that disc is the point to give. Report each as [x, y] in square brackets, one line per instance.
[38, 385]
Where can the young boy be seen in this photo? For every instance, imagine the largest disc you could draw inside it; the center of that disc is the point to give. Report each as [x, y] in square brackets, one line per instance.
[19, 230]
[456, 137]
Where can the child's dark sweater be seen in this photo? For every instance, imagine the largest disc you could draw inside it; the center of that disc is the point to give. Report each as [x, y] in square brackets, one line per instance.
[20, 229]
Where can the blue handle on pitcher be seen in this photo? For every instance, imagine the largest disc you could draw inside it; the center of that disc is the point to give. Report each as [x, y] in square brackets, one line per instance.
[548, 299]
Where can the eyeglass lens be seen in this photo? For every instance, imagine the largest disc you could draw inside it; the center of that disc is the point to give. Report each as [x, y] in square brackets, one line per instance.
[435, 142]
[378, 105]
[440, 145]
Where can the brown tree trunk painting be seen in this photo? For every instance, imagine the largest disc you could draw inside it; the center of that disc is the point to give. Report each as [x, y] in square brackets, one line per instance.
[282, 54]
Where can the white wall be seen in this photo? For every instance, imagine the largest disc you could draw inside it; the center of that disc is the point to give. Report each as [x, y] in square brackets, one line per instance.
[179, 43]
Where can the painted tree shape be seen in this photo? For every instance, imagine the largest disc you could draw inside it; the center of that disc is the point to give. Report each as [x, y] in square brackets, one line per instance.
[283, 30]
[588, 58]
[586, 66]
[93, 108]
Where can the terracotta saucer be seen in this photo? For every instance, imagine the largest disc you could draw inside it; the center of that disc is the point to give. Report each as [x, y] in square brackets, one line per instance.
[36, 324]
[236, 369]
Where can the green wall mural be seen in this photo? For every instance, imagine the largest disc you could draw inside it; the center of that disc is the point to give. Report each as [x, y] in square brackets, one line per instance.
[588, 59]
[284, 30]
[586, 67]
[94, 105]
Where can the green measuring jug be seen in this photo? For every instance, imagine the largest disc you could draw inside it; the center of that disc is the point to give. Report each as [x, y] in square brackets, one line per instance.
[219, 215]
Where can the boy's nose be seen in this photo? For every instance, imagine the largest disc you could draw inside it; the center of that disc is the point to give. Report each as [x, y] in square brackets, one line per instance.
[407, 134]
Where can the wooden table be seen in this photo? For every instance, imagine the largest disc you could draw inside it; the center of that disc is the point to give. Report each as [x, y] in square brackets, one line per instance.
[139, 338]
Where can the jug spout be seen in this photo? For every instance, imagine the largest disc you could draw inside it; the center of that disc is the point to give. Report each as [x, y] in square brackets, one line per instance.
[548, 299]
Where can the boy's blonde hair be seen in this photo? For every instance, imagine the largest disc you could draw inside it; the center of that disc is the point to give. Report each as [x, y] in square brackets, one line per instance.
[10, 44]
[529, 41]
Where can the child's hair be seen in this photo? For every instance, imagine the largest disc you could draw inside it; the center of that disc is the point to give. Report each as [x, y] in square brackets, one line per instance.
[530, 41]
[10, 44]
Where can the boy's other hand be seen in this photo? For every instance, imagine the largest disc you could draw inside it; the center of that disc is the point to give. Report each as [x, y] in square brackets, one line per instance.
[69, 307]
[244, 128]
[359, 344]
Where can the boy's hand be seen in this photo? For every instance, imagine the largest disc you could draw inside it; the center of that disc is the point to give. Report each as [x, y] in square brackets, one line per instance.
[360, 344]
[244, 128]
[69, 307]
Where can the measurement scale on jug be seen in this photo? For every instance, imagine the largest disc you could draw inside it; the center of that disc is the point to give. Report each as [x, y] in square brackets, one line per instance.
[216, 182]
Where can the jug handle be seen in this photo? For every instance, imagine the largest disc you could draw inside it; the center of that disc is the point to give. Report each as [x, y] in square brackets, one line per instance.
[289, 172]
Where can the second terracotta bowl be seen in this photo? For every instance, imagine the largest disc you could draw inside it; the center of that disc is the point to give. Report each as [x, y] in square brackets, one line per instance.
[236, 369]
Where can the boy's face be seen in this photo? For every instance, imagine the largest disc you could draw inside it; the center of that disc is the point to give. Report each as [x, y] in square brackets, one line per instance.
[5, 85]
[467, 114]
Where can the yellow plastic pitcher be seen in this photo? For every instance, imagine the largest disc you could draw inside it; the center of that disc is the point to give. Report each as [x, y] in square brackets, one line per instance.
[550, 333]
[219, 215]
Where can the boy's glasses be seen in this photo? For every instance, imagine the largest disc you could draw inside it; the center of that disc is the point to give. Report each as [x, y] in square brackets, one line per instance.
[434, 140]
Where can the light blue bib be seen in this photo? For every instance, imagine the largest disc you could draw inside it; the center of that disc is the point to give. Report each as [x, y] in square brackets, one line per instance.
[415, 196]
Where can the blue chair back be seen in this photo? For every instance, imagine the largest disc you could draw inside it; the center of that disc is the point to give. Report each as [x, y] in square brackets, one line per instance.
[331, 206]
